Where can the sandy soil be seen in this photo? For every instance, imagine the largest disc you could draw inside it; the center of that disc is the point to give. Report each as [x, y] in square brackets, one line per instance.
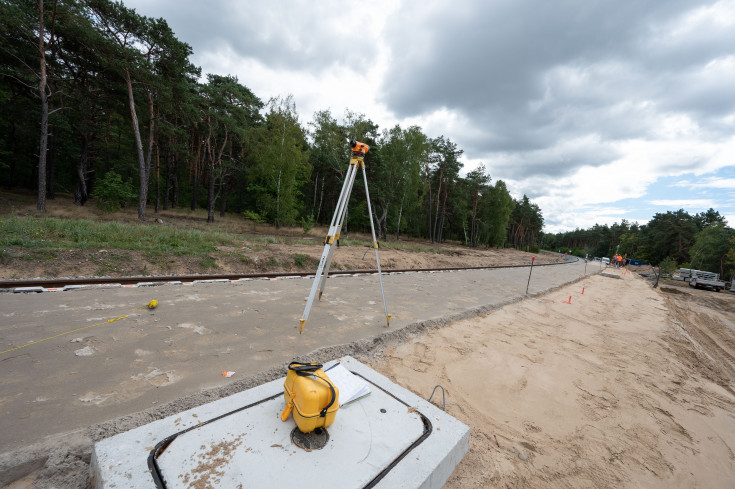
[627, 386]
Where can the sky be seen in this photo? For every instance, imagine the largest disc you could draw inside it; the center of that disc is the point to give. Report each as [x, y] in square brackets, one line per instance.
[597, 110]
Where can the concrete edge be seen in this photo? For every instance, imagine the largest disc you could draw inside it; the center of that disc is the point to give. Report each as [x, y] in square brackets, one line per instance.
[454, 434]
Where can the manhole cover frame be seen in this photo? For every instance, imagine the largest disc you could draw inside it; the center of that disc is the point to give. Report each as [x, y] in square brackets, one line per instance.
[163, 444]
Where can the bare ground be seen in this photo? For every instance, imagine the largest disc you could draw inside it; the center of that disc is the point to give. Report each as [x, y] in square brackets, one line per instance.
[627, 386]
[259, 247]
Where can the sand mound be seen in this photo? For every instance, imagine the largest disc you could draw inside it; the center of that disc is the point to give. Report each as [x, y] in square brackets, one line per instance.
[624, 387]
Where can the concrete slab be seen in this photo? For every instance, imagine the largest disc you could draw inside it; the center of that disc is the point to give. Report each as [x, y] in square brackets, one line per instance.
[391, 438]
[178, 350]
[19, 290]
[610, 275]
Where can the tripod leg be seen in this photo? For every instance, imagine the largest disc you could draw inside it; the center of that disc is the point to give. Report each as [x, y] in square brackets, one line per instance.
[338, 227]
[375, 245]
[314, 287]
[329, 243]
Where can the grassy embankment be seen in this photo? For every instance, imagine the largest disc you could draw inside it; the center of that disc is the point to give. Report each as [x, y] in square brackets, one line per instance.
[154, 247]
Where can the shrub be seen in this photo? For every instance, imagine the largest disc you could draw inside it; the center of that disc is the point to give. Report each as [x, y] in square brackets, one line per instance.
[253, 216]
[112, 193]
[300, 260]
[667, 265]
[307, 223]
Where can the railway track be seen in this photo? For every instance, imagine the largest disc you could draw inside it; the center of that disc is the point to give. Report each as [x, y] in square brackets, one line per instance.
[63, 282]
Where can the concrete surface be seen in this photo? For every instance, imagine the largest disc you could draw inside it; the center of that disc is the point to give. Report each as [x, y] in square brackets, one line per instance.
[251, 447]
[154, 357]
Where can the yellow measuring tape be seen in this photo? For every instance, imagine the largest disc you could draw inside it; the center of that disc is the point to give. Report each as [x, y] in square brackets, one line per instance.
[151, 305]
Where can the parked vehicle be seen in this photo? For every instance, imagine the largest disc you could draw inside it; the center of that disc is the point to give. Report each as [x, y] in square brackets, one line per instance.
[701, 279]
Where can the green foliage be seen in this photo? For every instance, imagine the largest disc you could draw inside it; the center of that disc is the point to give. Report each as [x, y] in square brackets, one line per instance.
[253, 216]
[496, 208]
[207, 262]
[526, 222]
[300, 260]
[395, 177]
[668, 265]
[670, 234]
[112, 193]
[31, 233]
[711, 248]
[730, 259]
[576, 252]
[307, 223]
[281, 164]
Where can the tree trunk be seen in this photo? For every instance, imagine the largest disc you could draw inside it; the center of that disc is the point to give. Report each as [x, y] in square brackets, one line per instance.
[400, 214]
[428, 185]
[473, 227]
[175, 182]
[81, 192]
[438, 198]
[11, 171]
[143, 181]
[321, 198]
[223, 203]
[195, 193]
[168, 179]
[210, 194]
[149, 153]
[41, 204]
[158, 179]
[384, 222]
[278, 201]
[51, 166]
[313, 202]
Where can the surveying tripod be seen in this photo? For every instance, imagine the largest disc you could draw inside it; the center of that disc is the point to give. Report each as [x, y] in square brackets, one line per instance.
[357, 159]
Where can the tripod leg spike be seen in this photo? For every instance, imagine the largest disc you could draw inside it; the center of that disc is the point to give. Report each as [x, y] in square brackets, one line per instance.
[320, 295]
[302, 322]
[387, 318]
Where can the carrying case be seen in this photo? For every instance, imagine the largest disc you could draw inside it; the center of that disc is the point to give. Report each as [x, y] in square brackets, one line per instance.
[310, 395]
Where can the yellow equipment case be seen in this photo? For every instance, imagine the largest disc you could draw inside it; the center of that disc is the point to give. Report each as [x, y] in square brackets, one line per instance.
[313, 398]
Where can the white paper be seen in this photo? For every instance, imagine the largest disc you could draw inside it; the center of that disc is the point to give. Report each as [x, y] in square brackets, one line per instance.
[351, 387]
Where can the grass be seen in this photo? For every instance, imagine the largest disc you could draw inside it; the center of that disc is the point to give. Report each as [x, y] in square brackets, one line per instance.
[303, 261]
[207, 262]
[119, 244]
[31, 233]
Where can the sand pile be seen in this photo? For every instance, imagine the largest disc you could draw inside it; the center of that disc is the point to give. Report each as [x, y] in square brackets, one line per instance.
[611, 390]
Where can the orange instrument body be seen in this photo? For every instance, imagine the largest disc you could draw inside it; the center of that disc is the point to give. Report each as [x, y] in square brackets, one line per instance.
[358, 148]
[310, 396]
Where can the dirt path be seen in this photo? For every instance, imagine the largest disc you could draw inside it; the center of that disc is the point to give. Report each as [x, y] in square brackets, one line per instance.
[627, 386]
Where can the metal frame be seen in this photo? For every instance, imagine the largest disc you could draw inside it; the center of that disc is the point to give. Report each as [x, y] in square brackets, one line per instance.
[322, 272]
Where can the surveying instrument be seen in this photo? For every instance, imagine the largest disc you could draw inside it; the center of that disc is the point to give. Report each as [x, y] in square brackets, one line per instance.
[357, 159]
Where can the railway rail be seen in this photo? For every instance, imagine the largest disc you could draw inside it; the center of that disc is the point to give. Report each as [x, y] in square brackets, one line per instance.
[61, 282]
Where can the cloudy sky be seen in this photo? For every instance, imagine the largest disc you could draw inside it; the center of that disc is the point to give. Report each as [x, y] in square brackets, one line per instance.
[597, 110]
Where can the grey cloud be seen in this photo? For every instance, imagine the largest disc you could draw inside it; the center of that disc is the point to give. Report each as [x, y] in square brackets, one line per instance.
[498, 52]
[530, 73]
[281, 34]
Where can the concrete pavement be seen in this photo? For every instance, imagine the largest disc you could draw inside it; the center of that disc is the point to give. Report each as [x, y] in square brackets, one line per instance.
[153, 357]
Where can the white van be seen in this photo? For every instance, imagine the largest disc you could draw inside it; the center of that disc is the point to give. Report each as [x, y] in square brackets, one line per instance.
[606, 260]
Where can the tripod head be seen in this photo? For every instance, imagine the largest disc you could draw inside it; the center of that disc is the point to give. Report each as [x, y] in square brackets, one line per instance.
[359, 149]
